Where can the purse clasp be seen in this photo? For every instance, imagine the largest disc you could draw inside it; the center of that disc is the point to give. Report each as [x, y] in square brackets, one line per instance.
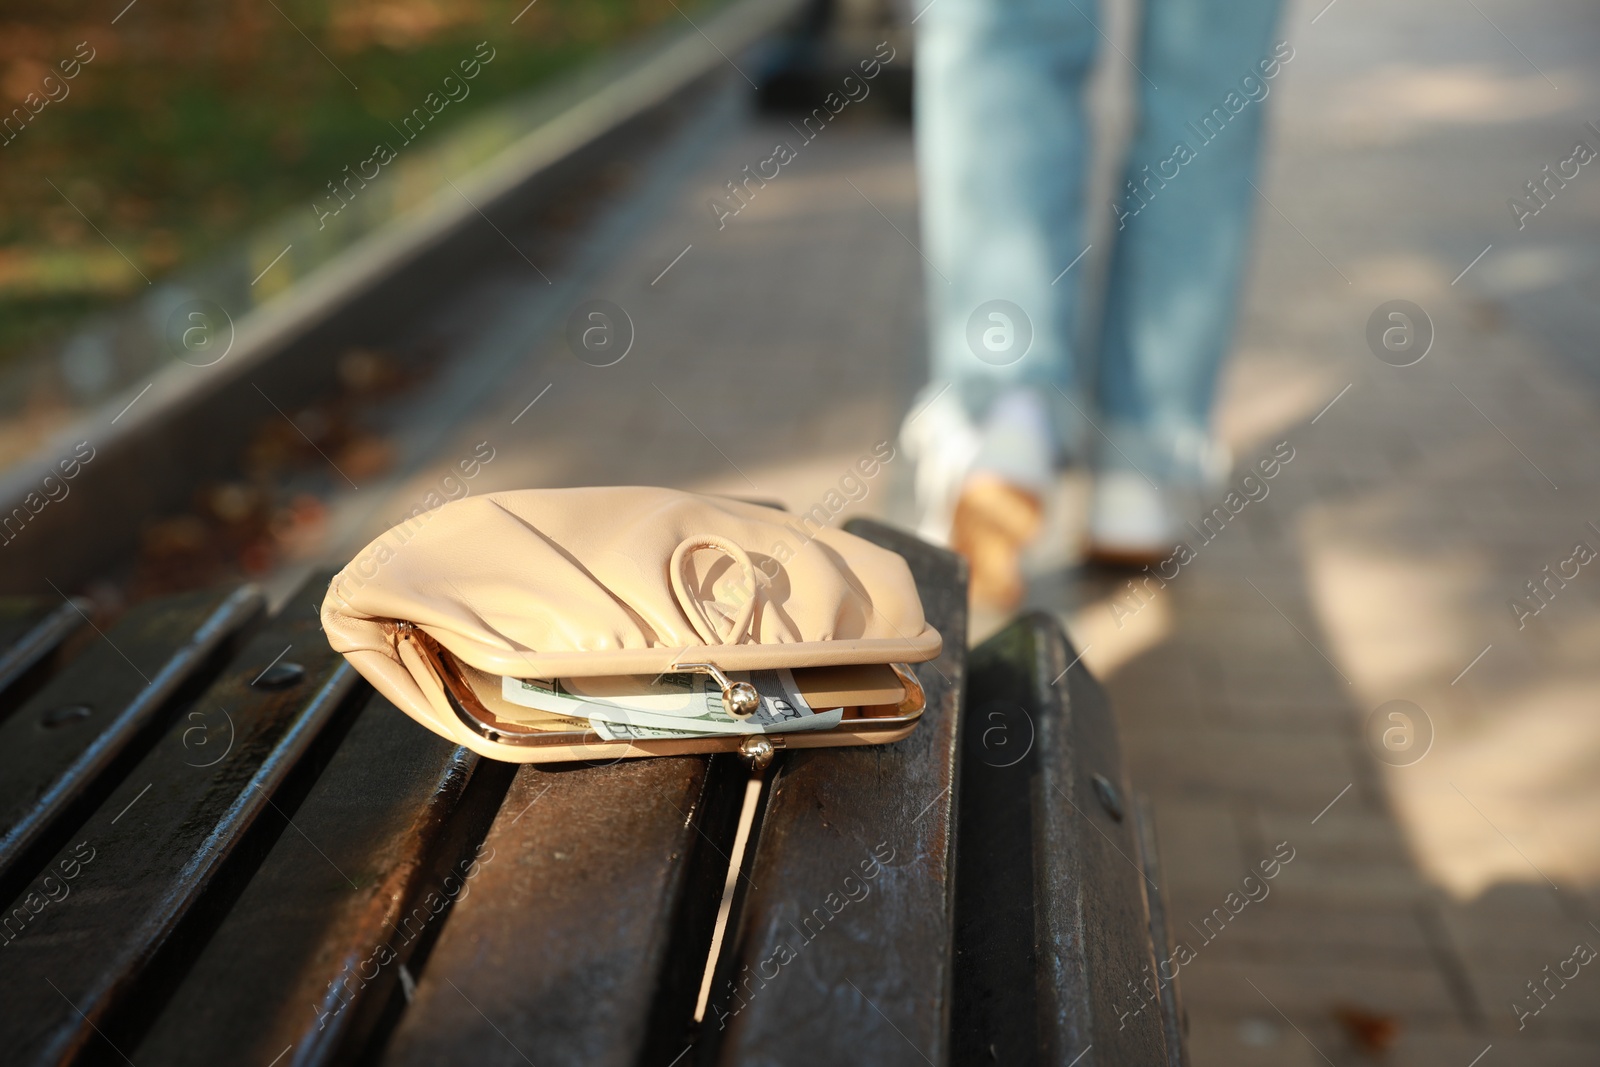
[739, 699]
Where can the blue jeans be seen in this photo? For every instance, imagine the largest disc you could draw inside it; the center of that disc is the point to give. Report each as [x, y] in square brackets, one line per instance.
[1002, 146]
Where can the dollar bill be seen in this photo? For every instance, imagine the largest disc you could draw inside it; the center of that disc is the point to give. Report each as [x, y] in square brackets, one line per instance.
[683, 703]
[616, 731]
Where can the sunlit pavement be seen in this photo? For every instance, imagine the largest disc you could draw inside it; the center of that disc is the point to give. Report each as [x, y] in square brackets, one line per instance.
[1432, 879]
[1383, 565]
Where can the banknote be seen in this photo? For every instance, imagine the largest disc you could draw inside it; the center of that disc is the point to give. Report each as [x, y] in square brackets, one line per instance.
[681, 702]
[616, 731]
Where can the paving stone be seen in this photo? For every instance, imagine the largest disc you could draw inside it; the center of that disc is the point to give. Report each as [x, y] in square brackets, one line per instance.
[1309, 988]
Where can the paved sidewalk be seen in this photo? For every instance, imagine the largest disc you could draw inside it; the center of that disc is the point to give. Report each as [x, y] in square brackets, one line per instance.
[1382, 565]
[768, 355]
[1421, 899]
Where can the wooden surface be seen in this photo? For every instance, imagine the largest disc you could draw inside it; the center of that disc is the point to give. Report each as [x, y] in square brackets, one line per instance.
[157, 846]
[870, 975]
[309, 958]
[57, 751]
[585, 935]
[1051, 884]
[278, 867]
[1174, 1022]
[997, 950]
[33, 633]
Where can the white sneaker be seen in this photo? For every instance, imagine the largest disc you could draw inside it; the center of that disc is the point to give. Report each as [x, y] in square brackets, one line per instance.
[939, 437]
[1132, 523]
[1017, 445]
[1014, 446]
[981, 491]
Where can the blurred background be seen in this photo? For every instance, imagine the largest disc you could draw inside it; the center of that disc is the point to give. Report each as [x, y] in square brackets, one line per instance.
[274, 277]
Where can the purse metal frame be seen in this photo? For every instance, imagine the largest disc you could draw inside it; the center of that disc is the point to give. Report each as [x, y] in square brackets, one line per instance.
[756, 749]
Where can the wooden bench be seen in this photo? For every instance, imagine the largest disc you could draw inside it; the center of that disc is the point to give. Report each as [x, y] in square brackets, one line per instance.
[217, 845]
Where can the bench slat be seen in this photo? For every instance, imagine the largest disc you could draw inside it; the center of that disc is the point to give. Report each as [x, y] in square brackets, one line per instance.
[263, 879]
[842, 955]
[1051, 886]
[155, 847]
[57, 750]
[1172, 1016]
[307, 961]
[30, 632]
[585, 936]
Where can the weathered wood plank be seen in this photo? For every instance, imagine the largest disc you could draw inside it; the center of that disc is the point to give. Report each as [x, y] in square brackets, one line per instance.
[1051, 885]
[19, 614]
[585, 935]
[116, 920]
[1173, 1020]
[310, 956]
[33, 634]
[61, 752]
[843, 950]
[996, 1016]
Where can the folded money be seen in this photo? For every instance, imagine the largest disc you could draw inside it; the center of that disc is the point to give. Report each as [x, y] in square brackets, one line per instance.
[616, 731]
[682, 703]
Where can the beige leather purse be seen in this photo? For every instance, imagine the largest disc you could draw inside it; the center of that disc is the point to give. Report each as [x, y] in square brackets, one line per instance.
[568, 624]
